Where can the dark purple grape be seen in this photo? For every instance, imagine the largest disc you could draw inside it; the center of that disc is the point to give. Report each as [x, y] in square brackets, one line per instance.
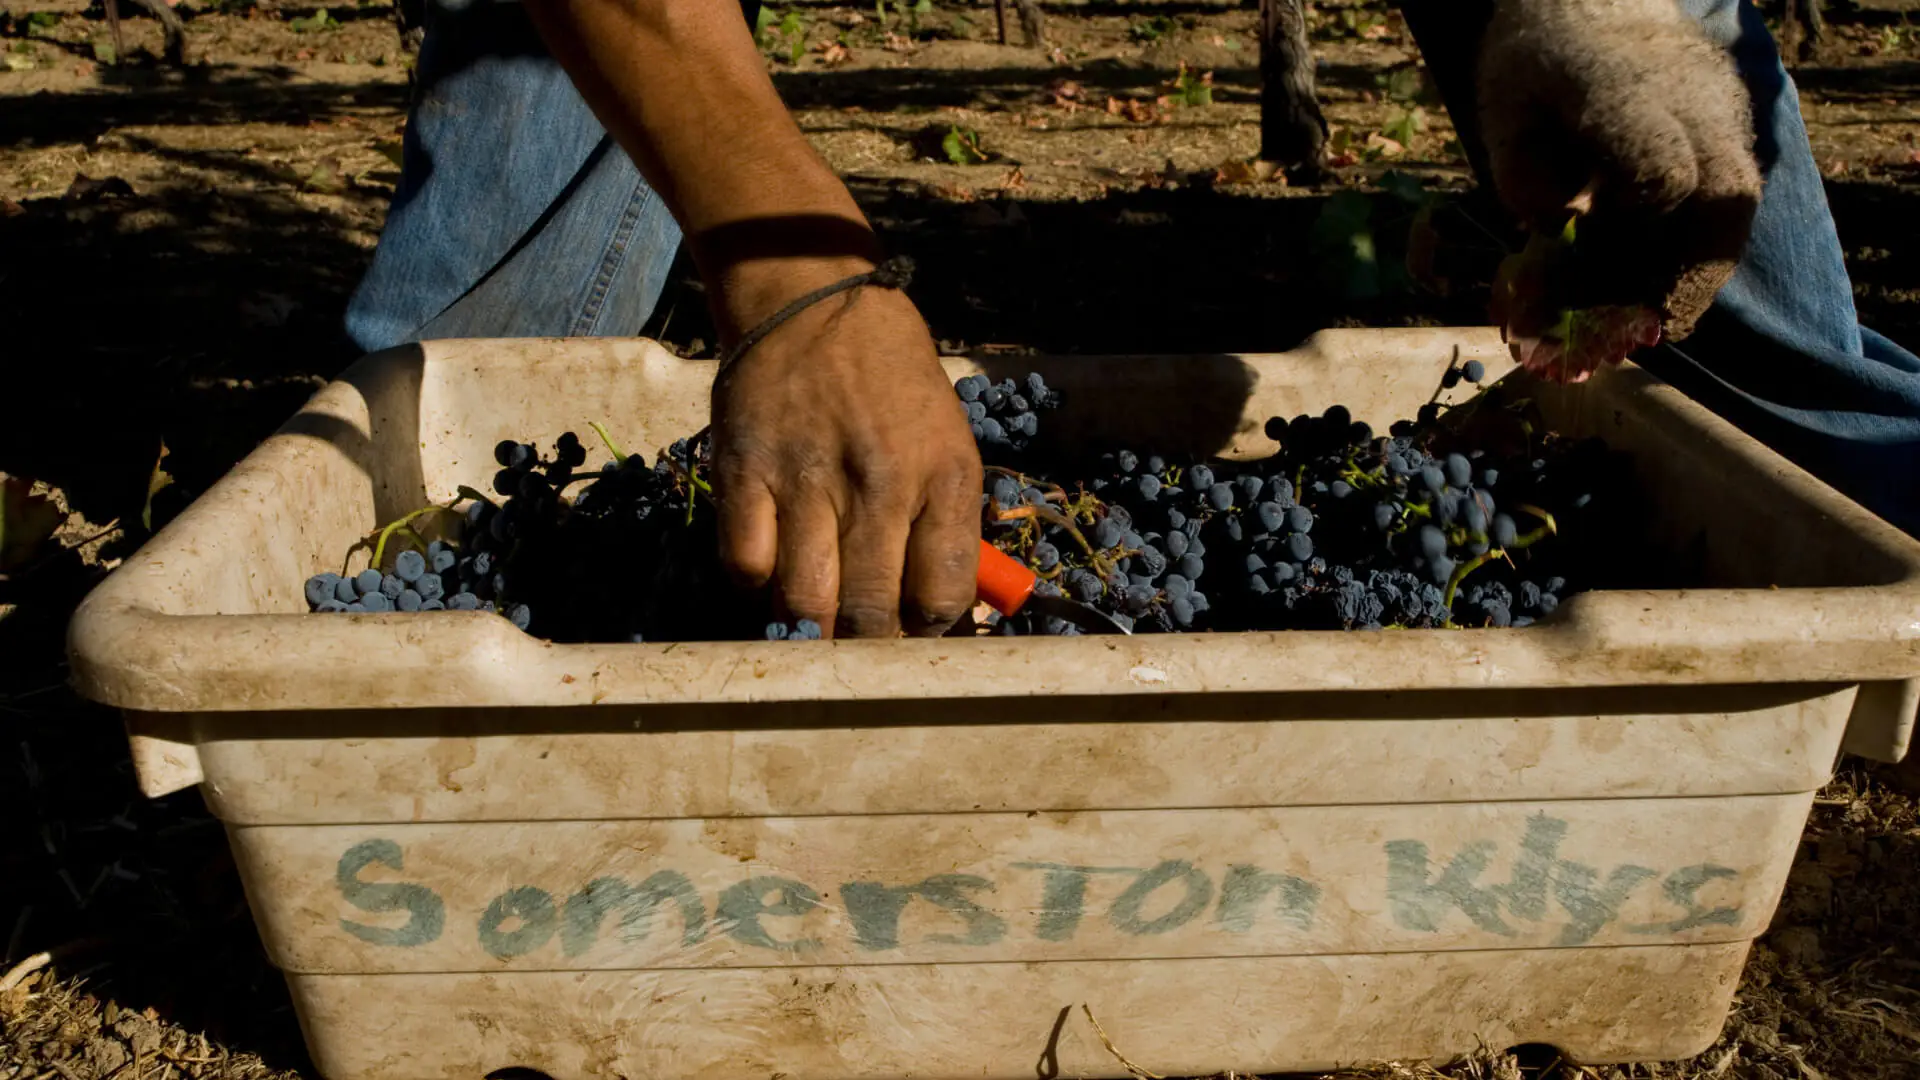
[409, 565]
[320, 588]
[1045, 556]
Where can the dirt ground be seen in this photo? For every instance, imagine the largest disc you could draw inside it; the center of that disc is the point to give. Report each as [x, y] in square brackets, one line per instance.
[176, 246]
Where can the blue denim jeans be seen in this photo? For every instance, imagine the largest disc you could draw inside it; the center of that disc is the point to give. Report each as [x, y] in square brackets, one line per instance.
[516, 216]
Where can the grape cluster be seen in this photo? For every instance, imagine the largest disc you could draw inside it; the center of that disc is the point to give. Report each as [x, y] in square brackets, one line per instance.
[1457, 518]
[439, 579]
[1340, 529]
[1004, 416]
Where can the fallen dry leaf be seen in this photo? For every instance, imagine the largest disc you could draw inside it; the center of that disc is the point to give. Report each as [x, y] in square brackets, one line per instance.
[1384, 146]
[1132, 110]
[1013, 180]
[833, 53]
[159, 481]
[1248, 172]
[27, 520]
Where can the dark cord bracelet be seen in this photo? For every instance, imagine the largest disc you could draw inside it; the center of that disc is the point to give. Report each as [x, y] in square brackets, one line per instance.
[895, 273]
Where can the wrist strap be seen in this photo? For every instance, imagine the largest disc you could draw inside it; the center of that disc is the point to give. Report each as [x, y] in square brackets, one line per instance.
[895, 273]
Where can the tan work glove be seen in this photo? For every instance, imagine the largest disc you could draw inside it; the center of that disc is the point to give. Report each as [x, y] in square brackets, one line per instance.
[1624, 113]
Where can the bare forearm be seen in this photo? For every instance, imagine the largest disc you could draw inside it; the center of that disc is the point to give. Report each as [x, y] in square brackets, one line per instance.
[683, 90]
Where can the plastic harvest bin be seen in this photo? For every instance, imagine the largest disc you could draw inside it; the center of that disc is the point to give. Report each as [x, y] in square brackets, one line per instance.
[470, 849]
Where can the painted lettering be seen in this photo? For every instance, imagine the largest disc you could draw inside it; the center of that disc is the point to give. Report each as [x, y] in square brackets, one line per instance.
[1245, 888]
[534, 911]
[580, 919]
[1125, 915]
[875, 910]
[742, 906]
[1419, 904]
[426, 912]
[1590, 908]
[1063, 896]
[1680, 887]
[1525, 892]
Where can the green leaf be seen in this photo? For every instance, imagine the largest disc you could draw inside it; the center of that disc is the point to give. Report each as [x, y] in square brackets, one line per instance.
[314, 23]
[1404, 126]
[767, 20]
[962, 147]
[43, 20]
[1406, 85]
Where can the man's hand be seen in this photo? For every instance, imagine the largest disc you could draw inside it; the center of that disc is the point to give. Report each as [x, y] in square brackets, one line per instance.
[842, 460]
[844, 467]
[1627, 102]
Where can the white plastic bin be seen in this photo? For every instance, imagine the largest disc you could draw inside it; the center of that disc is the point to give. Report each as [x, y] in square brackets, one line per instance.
[470, 849]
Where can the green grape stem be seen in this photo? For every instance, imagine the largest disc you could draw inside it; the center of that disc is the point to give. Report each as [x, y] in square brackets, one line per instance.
[619, 455]
[403, 526]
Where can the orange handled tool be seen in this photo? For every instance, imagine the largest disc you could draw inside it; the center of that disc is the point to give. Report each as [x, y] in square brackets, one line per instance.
[1006, 585]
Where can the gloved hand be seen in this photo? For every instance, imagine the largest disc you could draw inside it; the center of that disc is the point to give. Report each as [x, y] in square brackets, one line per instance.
[1622, 111]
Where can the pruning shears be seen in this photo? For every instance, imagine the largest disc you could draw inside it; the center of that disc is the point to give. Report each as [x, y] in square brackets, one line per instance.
[1006, 585]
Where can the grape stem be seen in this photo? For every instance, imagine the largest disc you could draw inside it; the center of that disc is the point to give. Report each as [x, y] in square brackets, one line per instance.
[619, 455]
[1548, 528]
[1049, 515]
[403, 525]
